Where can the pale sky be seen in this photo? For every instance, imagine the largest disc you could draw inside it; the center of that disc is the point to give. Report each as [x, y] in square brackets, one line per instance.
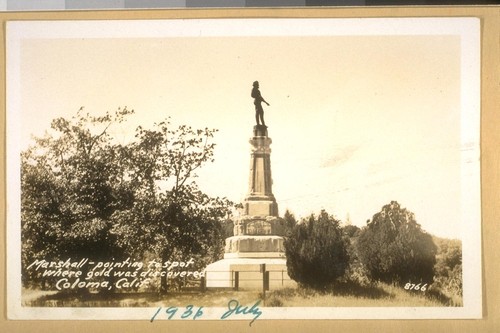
[356, 121]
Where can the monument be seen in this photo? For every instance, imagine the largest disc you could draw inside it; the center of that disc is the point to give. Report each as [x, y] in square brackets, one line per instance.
[255, 252]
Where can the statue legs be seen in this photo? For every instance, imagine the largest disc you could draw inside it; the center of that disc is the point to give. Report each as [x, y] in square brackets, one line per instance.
[259, 116]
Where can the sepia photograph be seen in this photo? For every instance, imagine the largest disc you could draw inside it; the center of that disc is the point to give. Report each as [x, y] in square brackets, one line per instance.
[243, 169]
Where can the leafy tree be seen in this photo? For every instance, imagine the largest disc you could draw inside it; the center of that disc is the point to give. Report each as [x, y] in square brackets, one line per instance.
[85, 196]
[316, 251]
[393, 248]
[171, 216]
[69, 190]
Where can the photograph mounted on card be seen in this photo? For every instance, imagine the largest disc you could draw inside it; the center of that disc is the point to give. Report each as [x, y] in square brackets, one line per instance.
[243, 169]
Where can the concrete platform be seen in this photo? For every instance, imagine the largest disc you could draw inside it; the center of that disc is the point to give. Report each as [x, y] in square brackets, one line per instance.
[245, 273]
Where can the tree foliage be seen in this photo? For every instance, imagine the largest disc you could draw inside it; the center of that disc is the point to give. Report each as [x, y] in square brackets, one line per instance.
[448, 266]
[393, 248]
[316, 251]
[180, 217]
[290, 222]
[84, 195]
[351, 230]
[69, 190]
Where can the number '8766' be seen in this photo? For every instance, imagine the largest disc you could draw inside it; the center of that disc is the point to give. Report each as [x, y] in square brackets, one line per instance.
[412, 286]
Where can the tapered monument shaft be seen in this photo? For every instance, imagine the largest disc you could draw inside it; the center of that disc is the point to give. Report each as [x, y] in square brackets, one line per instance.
[260, 200]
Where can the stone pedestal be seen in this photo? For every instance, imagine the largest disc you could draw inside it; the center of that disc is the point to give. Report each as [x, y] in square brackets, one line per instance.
[254, 246]
[257, 232]
[259, 225]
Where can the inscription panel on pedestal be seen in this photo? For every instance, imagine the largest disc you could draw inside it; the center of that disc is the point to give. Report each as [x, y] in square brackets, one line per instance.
[259, 228]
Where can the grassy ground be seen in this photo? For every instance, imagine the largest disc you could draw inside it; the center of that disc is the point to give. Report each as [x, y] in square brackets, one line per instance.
[380, 295]
[207, 299]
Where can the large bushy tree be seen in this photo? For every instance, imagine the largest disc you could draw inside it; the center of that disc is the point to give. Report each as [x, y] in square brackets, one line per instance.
[70, 188]
[173, 216]
[316, 251]
[84, 195]
[393, 247]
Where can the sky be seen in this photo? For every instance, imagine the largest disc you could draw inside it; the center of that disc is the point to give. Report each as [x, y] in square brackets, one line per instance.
[356, 121]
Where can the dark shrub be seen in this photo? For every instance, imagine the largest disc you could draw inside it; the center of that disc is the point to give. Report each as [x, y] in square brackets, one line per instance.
[316, 251]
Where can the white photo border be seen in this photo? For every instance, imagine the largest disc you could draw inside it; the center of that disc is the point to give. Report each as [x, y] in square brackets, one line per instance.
[468, 29]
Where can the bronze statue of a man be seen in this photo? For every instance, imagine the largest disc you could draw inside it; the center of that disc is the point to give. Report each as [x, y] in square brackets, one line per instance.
[258, 99]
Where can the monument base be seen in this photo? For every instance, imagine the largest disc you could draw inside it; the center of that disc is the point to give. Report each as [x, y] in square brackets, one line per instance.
[254, 256]
[246, 274]
[255, 244]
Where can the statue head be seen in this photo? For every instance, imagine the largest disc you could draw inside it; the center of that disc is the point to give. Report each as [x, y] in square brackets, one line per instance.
[256, 84]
